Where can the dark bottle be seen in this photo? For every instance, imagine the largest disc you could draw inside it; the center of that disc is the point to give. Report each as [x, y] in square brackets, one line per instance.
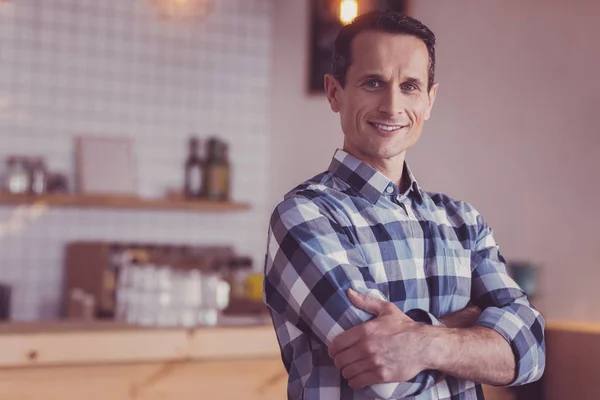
[226, 171]
[217, 171]
[194, 171]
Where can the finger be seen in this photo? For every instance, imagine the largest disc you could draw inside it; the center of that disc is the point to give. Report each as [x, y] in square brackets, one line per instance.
[367, 303]
[348, 356]
[367, 378]
[345, 340]
[358, 367]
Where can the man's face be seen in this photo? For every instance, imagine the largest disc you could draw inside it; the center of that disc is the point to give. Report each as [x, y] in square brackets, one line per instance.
[385, 100]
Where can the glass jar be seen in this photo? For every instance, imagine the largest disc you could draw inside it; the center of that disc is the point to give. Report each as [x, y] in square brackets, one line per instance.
[17, 179]
[239, 270]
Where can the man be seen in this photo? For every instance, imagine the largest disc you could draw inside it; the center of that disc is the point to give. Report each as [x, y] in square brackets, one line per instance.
[378, 289]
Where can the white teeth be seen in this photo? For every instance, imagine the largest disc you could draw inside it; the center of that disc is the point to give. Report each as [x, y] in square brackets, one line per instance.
[387, 128]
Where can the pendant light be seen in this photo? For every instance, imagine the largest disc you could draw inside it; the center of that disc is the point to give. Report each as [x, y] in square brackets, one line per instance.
[184, 9]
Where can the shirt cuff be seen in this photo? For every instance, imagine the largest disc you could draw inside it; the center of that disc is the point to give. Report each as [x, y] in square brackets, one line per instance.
[423, 317]
[516, 332]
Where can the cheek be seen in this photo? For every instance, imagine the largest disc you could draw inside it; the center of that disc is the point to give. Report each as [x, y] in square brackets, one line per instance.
[418, 113]
[355, 115]
[416, 118]
[360, 105]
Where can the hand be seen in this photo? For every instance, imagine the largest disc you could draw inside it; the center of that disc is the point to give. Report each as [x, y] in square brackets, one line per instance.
[389, 348]
[464, 318]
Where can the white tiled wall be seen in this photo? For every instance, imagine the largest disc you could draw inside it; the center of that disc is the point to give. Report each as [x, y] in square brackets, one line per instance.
[113, 67]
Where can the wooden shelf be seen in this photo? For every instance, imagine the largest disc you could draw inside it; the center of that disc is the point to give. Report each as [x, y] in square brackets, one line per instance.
[120, 202]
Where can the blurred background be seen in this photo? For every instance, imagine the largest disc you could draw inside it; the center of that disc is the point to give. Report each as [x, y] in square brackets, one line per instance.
[144, 144]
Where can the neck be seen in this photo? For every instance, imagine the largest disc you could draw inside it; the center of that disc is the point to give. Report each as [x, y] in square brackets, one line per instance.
[392, 167]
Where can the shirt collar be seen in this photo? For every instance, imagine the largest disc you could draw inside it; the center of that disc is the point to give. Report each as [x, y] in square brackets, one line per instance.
[366, 180]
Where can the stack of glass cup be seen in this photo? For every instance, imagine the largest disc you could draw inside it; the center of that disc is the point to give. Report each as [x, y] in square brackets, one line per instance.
[160, 296]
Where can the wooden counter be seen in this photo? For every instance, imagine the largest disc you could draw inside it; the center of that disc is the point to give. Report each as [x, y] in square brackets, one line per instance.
[572, 365]
[35, 345]
[109, 361]
[572, 361]
[116, 362]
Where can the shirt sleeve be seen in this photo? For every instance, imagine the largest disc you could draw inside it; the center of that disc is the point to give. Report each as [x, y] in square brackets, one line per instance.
[506, 308]
[311, 262]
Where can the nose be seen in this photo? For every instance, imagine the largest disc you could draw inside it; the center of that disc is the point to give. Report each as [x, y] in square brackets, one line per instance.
[392, 102]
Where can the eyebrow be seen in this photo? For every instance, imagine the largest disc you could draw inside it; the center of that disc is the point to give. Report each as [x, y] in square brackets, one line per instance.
[416, 81]
[371, 76]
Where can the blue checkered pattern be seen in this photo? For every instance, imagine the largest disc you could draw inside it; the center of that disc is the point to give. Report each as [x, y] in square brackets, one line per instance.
[427, 253]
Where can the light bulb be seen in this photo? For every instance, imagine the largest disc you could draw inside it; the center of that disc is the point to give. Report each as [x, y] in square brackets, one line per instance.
[184, 9]
[348, 11]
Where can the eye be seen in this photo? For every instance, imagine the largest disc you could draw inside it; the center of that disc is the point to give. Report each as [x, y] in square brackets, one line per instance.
[409, 87]
[373, 84]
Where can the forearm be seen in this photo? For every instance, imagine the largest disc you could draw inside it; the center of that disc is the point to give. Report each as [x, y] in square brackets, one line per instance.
[477, 354]
[464, 318]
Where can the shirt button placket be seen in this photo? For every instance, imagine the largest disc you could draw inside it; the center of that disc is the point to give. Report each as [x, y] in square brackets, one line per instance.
[401, 203]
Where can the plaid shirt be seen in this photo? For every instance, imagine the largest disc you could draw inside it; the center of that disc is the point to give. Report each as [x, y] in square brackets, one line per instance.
[427, 253]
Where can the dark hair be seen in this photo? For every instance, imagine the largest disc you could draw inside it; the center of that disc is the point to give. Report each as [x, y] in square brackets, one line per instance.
[382, 21]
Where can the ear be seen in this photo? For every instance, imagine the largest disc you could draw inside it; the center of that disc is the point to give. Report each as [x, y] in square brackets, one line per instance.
[332, 90]
[432, 94]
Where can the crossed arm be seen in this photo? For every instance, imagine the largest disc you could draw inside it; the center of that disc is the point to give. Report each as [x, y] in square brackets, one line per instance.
[392, 347]
[311, 263]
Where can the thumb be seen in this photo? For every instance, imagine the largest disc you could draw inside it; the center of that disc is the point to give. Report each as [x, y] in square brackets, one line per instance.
[367, 303]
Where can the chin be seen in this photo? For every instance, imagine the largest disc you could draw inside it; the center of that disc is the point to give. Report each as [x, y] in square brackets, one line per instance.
[389, 151]
[381, 153]
[391, 154]
[378, 149]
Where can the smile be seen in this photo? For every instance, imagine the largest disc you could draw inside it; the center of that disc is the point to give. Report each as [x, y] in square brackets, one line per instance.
[387, 128]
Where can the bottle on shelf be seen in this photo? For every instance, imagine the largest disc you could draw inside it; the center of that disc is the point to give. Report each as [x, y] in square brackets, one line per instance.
[217, 171]
[194, 171]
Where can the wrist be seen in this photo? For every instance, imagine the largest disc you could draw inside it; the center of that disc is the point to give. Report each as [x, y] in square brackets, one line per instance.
[438, 346]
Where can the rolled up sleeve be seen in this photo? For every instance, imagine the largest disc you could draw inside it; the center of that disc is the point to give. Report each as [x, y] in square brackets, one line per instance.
[506, 308]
